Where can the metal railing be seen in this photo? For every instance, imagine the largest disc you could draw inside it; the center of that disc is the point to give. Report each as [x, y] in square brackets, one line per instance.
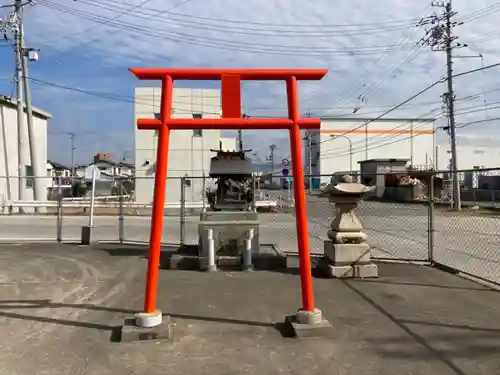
[407, 217]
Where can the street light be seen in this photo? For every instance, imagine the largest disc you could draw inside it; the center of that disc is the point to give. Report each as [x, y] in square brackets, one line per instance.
[31, 54]
[333, 136]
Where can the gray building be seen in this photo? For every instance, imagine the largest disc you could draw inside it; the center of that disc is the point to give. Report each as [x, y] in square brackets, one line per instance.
[189, 150]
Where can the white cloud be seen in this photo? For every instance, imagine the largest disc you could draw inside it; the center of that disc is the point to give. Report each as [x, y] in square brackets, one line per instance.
[379, 78]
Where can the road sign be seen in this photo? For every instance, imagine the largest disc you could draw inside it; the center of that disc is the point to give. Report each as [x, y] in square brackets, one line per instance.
[285, 171]
[285, 162]
[89, 173]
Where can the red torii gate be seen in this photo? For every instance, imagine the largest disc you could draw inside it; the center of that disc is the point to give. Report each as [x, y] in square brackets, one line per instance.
[231, 120]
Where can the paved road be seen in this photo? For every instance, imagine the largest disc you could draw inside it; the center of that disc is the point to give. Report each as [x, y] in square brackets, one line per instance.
[469, 243]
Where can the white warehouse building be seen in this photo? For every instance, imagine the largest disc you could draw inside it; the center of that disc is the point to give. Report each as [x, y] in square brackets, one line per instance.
[9, 160]
[468, 156]
[189, 150]
[343, 142]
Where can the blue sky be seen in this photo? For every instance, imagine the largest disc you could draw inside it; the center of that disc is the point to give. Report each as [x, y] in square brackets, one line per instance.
[88, 45]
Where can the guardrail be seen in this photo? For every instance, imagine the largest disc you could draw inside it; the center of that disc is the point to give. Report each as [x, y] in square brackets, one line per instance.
[125, 204]
[99, 198]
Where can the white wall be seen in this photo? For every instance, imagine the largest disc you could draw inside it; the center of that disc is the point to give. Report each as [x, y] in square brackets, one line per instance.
[228, 144]
[387, 139]
[469, 156]
[9, 180]
[188, 154]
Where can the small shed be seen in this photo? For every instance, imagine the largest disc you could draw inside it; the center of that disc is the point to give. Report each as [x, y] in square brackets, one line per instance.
[373, 172]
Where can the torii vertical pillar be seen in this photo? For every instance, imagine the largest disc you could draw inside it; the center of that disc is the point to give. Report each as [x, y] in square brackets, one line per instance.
[231, 120]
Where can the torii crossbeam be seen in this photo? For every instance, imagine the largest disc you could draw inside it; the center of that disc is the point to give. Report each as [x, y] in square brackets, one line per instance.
[231, 119]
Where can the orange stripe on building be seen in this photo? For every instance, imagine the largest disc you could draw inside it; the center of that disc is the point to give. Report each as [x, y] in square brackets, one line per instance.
[377, 131]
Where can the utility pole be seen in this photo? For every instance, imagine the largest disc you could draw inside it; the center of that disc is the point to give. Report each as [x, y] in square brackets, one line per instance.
[256, 154]
[15, 22]
[440, 38]
[272, 149]
[309, 158]
[240, 140]
[240, 135]
[21, 157]
[37, 166]
[308, 139]
[451, 110]
[73, 149]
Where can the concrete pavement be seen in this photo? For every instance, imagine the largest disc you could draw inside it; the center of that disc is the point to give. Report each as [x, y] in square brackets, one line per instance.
[61, 305]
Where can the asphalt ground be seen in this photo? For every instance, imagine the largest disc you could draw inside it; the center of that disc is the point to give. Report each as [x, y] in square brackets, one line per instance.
[60, 306]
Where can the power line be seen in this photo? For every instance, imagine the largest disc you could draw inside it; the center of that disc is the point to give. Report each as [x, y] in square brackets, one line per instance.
[128, 99]
[223, 20]
[218, 27]
[344, 152]
[392, 109]
[483, 12]
[112, 19]
[119, 15]
[442, 80]
[266, 48]
[478, 122]
[424, 120]
[350, 89]
[411, 55]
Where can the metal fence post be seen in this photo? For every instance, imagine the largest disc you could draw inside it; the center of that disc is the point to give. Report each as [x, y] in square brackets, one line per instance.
[183, 212]
[254, 193]
[209, 236]
[247, 254]
[121, 215]
[203, 193]
[59, 211]
[430, 220]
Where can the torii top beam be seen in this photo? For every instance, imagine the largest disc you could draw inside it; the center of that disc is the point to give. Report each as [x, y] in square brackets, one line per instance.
[231, 97]
[217, 74]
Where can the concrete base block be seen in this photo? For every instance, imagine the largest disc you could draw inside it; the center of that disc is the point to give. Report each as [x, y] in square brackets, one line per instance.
[228, 261]
[362, 271]
[346, 253]
[247, 269]
[184, 262]
[130, 332]
[306, 324]
[148, 320]
[86, 238]
[267, 258]
[211, 268]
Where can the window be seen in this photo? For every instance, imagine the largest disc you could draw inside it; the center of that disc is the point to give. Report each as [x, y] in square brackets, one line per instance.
[157, 117]
[197, 132]
[29, 173]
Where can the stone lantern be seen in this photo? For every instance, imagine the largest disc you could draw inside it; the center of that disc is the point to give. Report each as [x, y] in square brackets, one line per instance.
[346, 252]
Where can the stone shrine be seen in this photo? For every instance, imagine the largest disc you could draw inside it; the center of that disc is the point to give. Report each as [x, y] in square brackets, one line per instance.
[346, 253]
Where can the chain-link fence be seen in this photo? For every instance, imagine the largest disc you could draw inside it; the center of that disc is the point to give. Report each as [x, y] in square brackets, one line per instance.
[408, 216]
